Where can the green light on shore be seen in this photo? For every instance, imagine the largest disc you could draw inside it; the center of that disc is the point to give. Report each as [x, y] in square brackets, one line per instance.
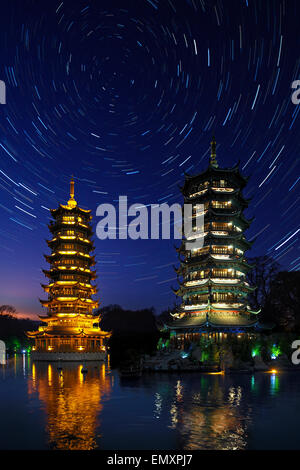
[255, 351]
[275, 351]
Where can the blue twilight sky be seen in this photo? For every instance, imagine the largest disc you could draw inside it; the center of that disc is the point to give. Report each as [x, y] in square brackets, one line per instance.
[126, 96]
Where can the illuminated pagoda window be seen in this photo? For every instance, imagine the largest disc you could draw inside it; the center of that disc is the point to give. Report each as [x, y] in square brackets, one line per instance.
[70, 329]
[212, 279]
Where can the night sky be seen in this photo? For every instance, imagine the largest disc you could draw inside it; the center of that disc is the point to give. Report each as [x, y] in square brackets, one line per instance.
[126, 95]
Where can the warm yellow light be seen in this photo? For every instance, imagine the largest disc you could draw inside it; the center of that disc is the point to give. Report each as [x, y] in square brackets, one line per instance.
[65, 282]
[67, 314]
[65, 299]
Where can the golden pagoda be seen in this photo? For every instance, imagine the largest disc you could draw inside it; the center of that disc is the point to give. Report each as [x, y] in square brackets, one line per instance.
[71, 331]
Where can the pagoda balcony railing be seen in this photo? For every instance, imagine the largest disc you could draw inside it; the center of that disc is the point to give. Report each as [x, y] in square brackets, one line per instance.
[225, 280]
[219, 184]
[208, 184]
[69, 348]
[69, 225]
[196, 301]
[71, 233]
[196, 280]
[227, 304]
[222, 299]
[69, 310]
[81, 248]
[222, 189]
[223, 227]
[194, 306]
[69, 262]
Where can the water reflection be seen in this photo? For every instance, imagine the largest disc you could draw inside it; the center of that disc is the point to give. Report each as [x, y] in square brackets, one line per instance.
[65, 409]
[274, 383]
[212, 413]
[73, 402]
[218, 421]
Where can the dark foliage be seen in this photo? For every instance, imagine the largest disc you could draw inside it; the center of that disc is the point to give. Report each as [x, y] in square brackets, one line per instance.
[283, 303]
[133, 332]
[277, 294]
[261, 275]
[12, 329]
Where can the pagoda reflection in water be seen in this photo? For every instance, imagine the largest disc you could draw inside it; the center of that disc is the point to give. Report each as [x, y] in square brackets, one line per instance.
[72, 401]
[212, 416]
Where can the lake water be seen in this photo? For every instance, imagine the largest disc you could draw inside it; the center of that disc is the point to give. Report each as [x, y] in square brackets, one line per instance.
[43, 408]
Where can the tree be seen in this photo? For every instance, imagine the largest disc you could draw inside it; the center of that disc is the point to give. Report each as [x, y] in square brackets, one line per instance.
[262, 275]
[7, 310]
[283, 302]
[131, 331]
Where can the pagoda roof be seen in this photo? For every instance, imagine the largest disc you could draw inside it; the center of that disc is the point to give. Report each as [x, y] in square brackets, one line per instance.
[213, 319]
[217, 172]
[71, 331]
[211, 307]
[208, 261]
[79, 284]
[222, 195]
[233, 236]
[55, 272]
[217, 287]
[220, 239]
[69, 239]
[89, 316]
[54, 224]
[65, 208]
[57, 255]
[78, 301]
[233, 215]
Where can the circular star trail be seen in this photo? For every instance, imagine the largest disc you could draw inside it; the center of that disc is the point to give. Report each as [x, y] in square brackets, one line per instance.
[126, 96]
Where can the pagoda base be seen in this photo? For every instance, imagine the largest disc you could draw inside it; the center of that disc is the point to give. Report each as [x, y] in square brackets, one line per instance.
[68, 356]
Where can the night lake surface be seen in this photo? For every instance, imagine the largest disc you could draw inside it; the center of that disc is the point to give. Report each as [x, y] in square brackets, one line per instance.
[43, 408]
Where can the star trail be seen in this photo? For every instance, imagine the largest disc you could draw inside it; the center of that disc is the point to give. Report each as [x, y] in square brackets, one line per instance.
[126, 96]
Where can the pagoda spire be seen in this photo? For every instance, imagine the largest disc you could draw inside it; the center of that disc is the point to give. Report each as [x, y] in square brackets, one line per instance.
[71, 202]
[213, 154]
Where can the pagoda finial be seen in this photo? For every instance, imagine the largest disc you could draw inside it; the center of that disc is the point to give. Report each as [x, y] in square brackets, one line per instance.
[72, 188]
[71, 202]
[213, 154]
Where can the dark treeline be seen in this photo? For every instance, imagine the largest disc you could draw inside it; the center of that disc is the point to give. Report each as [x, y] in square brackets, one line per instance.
[12, 329]
[136, 332]
[277, 294]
